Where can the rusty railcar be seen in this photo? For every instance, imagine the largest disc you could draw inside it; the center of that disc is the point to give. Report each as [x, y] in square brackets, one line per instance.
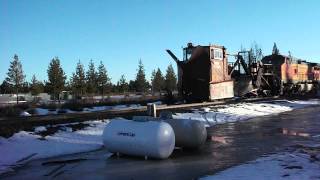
[288, 75]
[203, 73]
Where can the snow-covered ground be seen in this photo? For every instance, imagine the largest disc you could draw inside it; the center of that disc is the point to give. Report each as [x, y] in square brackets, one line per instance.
[43, 111]
[296, 165]
[25, 146]
[242, 111]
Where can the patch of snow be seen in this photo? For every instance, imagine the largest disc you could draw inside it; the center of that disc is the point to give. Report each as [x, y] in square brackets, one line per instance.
[27, 144]
[277, 166]
[97, 108]
[40, 129]
[242, 111]
[117, 107]
[157, 102]
[134, 106]
[24, 113]
[43, 112]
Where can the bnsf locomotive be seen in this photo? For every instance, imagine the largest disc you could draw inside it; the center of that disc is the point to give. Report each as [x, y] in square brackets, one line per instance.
[286, 75]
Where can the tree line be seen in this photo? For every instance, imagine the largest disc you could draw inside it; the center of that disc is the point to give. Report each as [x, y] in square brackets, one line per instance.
[90, 82]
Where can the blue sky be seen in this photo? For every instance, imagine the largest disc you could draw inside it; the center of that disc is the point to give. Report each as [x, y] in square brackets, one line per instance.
[121, 32]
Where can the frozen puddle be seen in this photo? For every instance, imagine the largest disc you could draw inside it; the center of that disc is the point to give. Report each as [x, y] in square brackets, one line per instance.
[242, 111]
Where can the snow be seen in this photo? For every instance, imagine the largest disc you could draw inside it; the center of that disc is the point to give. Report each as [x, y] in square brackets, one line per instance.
[156, 103]
[242, 111]
[40, 129]
[97, 108]
[28, 144]
[42, 111]
[24, 113]
[278, 166]
[135, 106]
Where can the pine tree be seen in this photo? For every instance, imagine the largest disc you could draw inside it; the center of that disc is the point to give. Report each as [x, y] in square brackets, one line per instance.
[15, 75]
[6, 88]
[91, 78]
[170, 79]
[25, 87]
[36, 87]
[78, 82]
[157, 81]
[153, 76]
[141, 82]
[122, 84]
[104, 82]
[132, 86]
[56, 78]
[275, 50]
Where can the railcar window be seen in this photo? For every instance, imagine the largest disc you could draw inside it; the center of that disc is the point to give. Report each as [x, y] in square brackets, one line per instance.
[187, 52]
[216, 54]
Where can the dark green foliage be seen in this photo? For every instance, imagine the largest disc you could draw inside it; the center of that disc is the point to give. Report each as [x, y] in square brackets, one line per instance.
[25, 87]
[78, 81]
[132, 86]
[6, 88]
[103, 80]
[56, 78]
[141, 84]
[36, 87]
[157, 81]
[122, 85]
[15, 74]
[91, 78]
[170, 79]
[275, 50]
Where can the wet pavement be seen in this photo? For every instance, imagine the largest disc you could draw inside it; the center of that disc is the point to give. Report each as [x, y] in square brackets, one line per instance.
[229, 145]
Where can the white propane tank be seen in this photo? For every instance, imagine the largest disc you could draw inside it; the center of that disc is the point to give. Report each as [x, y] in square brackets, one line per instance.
[150, 139]
[188, 133]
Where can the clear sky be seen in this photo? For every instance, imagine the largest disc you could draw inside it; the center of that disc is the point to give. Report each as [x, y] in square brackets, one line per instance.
[120, 32]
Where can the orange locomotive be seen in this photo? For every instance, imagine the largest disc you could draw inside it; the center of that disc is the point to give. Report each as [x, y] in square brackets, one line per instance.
[286, 75]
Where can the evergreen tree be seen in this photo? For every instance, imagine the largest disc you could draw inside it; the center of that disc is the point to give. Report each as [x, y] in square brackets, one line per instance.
[6, 88]
[141, 82]
[78, 81]
[170, 79]
[25, 87]
[132, 86]
[153, 76]
[91, 79]
[103, 81]
[158, 81]
[122, 84]
[275, 50]
[56, 78]
[36, 87]
[15, 75]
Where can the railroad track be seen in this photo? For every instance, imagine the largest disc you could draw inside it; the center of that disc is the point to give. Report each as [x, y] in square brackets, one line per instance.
[10, 125]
